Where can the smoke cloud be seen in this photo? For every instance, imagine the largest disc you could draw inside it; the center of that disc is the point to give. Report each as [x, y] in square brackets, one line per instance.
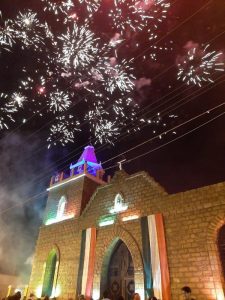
[19, 221]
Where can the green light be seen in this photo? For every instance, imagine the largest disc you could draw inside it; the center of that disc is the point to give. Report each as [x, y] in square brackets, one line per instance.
[107, 220]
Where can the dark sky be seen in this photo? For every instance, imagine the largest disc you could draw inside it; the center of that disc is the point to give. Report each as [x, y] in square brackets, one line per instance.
[195, 160]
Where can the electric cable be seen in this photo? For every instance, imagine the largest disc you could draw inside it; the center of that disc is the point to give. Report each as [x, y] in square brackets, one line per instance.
[131, 159]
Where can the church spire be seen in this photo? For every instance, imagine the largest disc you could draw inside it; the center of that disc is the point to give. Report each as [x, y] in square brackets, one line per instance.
[87, 162]
[88, 154]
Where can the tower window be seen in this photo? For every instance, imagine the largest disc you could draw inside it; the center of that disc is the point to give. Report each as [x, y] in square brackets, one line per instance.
[61, 207]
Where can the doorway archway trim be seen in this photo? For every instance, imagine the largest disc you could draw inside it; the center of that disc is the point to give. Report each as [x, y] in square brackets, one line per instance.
[111, 236]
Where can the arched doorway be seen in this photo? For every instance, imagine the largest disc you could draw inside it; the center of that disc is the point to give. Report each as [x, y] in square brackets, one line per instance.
[50, 275]
[120, 273]
[221, 247]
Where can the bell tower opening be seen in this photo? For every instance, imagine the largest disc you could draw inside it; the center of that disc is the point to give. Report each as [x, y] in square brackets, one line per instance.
[120, 273]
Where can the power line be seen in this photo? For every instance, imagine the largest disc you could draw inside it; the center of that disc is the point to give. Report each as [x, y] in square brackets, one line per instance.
[134, 158]
[122, 136]
[98, 149]
[69, 157]
[173, 140]
[165, 132]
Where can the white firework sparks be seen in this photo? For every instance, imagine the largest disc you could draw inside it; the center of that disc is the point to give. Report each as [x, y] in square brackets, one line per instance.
[91, 5]
[7, 35]
[96, 113]
[18, 99]
[7, 109]
[106, 131]
[63, 132]
[119, 76]
[28, 29]
[70, 57]
[198, 66]
[57, 7]
[137, 15]
[79, 47]
[26, 84]
[58, 101]
[120, 108]
[155, 50]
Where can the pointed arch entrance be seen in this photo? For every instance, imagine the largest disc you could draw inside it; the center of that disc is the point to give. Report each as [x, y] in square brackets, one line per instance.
[104, 252]
[50, 275]
[118, 273]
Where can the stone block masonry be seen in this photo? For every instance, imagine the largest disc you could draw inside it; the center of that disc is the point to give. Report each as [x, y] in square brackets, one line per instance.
[191, 222]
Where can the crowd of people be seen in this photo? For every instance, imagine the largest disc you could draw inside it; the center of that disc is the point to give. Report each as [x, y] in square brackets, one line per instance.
[186, 292]
[135, 296]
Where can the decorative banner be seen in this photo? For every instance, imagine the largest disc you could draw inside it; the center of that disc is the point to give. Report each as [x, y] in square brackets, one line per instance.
[87, 261]
[146, 256]
[156, 269]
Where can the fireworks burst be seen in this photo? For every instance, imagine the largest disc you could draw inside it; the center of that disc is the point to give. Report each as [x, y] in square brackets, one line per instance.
[63, 132]
[91, 5]
[106, 131]
[25, 28]
[79, 47]
[17, 99]
[7, 109]
[28, 30]
[96, 113]
[58, 101]
[136, 15]
[76, 59]
[198, 66]
[56, 7]
[7, 35]
[102, 113]
[118, 76]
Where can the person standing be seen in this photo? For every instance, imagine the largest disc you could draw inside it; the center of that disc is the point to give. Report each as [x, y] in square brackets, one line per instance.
[136, 296]
[106, 295]
[186, 290]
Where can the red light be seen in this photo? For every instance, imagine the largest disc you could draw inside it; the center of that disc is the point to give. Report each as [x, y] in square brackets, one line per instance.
[41, 90]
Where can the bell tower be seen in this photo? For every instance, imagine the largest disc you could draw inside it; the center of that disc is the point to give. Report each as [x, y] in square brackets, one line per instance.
[70, 191]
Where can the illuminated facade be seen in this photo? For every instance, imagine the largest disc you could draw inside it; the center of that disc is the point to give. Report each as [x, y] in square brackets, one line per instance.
[128, 234]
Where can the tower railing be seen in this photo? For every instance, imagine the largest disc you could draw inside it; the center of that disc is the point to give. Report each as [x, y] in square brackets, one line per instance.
[83, 169]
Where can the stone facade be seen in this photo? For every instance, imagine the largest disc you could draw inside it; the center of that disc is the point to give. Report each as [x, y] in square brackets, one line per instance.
[191, 223]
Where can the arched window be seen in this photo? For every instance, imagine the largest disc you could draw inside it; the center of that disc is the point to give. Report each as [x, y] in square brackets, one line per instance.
[118, 200]
[118, 204]
[50, 274]
[61, 207]
[221, 246]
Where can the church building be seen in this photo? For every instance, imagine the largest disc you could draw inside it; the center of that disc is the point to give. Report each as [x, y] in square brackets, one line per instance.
[126, 235]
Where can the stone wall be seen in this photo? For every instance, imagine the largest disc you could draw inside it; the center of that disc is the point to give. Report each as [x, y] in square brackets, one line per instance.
[76, 194]
[191, 221]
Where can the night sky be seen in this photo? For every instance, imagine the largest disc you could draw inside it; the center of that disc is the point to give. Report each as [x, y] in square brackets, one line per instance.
[195, 160]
